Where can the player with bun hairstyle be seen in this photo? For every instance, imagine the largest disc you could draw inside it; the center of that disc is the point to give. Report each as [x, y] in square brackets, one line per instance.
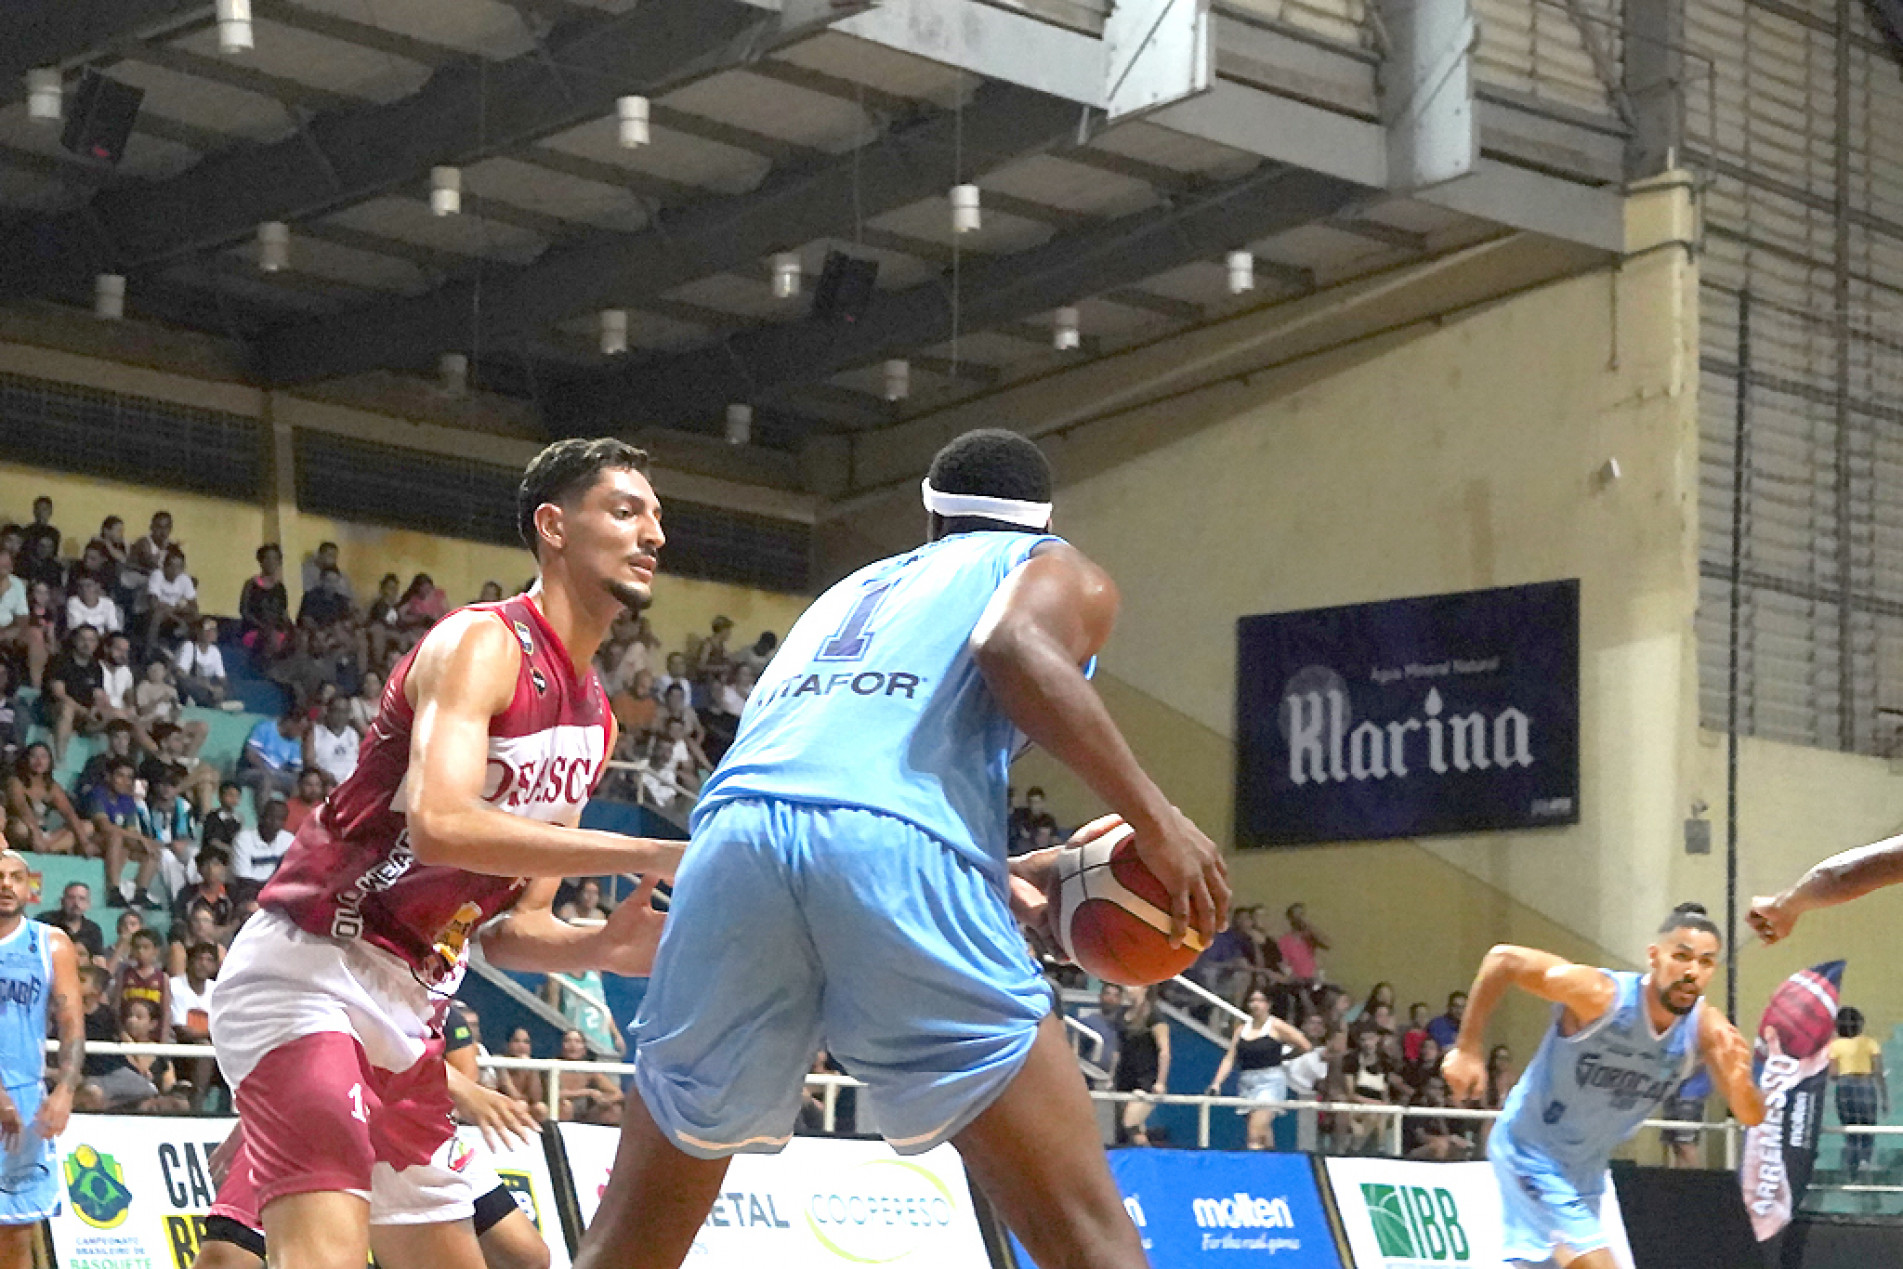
[856, 828]
[1619, 1043]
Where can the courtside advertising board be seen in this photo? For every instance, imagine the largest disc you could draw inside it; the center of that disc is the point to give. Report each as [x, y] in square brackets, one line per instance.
[1399, 1214]
[134, 1190]
[819, 1204]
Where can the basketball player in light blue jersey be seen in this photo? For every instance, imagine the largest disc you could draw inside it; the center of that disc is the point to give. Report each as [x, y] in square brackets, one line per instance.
[848, 886]
[39, 973]
[1620, 1042]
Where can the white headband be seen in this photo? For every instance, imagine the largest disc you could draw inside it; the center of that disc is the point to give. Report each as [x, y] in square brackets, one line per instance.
[1029, 515]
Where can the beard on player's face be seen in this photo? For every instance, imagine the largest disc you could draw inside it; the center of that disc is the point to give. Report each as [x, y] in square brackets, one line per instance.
[1683, 988]
[634, 598]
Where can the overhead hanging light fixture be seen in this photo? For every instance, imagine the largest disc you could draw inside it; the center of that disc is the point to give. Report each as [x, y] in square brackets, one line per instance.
[633, 114]
[1064, 332]
[453, 370]
[43, 94]
[1241, 266]
[445, 190]
[109, 296]
[234, 25]
[786, 275]
[966, 217]
[739, 424]
[614, 331]
[898, 379]
[274, 246]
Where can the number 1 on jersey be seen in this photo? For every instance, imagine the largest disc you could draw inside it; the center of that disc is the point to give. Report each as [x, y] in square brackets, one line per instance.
[852, 639]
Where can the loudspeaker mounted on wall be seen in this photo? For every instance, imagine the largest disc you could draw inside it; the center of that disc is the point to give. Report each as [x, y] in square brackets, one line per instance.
[100, 121]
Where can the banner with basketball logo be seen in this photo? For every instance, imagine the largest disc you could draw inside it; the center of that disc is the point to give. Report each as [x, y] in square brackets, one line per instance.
[1792, 1064]
[1441, 714]
[134, 1190]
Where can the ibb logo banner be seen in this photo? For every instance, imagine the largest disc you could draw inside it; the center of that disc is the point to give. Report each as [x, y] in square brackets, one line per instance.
[1416, 1225]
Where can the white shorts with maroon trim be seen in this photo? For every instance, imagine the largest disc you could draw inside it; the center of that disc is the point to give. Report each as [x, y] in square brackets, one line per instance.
[337, 1073]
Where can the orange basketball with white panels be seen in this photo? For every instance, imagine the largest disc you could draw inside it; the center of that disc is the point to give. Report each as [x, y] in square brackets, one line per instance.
[1113, 914]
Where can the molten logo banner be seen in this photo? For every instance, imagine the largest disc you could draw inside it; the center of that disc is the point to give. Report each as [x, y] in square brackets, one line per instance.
[1792, 1063]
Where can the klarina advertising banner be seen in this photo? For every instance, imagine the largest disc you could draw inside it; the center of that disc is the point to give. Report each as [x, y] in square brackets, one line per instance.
[1409, 717]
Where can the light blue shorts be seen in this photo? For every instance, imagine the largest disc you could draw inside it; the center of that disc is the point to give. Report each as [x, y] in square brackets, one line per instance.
[795, 927]
[29, 1186]
[1543, 1208]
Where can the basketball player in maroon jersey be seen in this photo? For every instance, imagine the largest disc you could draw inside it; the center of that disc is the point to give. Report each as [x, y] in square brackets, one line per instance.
[1847, 875]
[464, 805]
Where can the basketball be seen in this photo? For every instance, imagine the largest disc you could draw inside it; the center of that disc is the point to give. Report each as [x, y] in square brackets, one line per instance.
[1113, 915]
[1803, 1012]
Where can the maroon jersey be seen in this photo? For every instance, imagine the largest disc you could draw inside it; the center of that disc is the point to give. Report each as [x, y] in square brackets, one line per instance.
[144, 984]
[351, 873]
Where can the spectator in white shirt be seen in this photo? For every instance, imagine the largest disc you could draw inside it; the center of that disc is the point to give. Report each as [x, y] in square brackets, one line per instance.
[147, 555]
[115, 665]
[171, 597]
[332, 744]
[201, 666]
[18, 633]
[91, 606]
[257, 852]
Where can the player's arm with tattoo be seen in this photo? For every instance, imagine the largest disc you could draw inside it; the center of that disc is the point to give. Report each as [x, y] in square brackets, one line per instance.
[69, 1021]
[1728, 1058]
[1585, 992]
[1847, 875]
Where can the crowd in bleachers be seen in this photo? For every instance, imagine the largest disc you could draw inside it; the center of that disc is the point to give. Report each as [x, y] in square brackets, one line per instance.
[116, 670]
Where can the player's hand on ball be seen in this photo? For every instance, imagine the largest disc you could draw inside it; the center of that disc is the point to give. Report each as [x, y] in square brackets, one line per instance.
[1033, 877]
[1466, 1075]
[1771, 918]
[498, 1115]
[632, 932]
[1191, 868]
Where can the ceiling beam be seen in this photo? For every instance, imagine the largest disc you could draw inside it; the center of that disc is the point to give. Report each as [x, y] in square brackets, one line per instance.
[362, 34]
[690, 389]
[233, 74]
[466, 111]
[715, 234]
[1150, 302]
[55, 32]
[863, 95]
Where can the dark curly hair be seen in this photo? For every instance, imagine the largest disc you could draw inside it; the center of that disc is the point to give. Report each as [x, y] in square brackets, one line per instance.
[566, 470]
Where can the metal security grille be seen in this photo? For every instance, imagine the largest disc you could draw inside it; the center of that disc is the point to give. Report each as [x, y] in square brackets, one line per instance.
[98, 433]
[460, 498]
[1800, 137]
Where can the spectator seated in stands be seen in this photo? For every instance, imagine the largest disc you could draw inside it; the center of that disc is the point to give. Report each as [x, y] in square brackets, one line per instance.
[674, 706]
[1415, 1032]
[40, 817]
[362, 708]
[13, 723]
[170, 601]
[119, 828]
[88, 604]
[756, 656]
[111, 541]
[40, 564]
[141, 976]
[191, 1012]
[1434, 1137]
[1105, 1022]
[74, 699]
[256, 853]
[169, 823]
[1446, 1028]
[141, 1085]
[70, 916]
[327, 603]
[637, 709]
[423, 605]
[23, 643]
[1023, 823]
[201, 666]
[726, 701]
[523, 1085]
[177, 758]
[1416, 1073]
[333, 742]
[313, 567]
[273, 755]
[222, 823]
[586, 905]
[121, 688]
[147, 556]
[93, 775]
[383, 623]
[130, 922]
[102, 1027]
[205, 911]
[676, 675]
[42, 537]
[671, 767]
[1369, 1076]
[301, 672]
[586, 1099]
[311, 790]
[708, 656]
[264, 606]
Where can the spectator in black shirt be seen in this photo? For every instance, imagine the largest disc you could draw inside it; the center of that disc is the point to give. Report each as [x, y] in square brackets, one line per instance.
[39, 563]
[74, 698]
[102, 1027]
[41, 531]
[93, 774]
[1026, 819]
[13, 719]
[325, 604]
[264, 606]
[222, 825]
[211, 893]
[70, 916]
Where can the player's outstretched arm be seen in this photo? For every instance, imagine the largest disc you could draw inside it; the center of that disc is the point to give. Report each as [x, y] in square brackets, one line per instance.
[1847, 875]
[463, 676]
[1050, 617]
[1728, 1058]
[1586, 993]
[532, 939]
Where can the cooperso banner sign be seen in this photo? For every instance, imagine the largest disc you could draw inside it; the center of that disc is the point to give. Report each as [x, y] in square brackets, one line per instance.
[1409, 717]
[822, 1203]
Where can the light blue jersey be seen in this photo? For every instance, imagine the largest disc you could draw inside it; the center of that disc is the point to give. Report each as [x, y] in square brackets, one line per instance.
[855, 830]
[874, 701]
[29, 1191]
[1581, 1097]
